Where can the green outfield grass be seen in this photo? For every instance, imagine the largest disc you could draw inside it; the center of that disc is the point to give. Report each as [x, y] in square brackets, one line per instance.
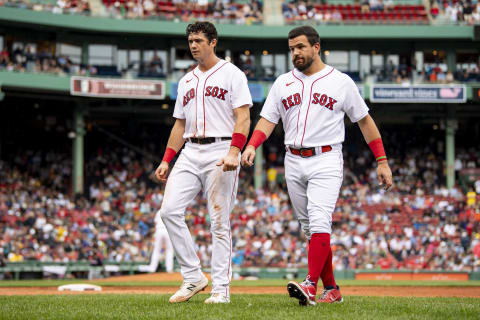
[276, 307]
[238, 283]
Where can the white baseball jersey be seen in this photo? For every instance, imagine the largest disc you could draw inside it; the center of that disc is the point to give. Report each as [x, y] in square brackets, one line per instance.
[207, 99]
[312, 108]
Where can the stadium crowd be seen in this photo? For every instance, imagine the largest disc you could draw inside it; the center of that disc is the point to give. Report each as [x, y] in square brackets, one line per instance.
[406, 73]
[57, 7]
[456, 11]
[417, 225]
[230, 11]
[27, 59]
[364, 12]
[222, 11]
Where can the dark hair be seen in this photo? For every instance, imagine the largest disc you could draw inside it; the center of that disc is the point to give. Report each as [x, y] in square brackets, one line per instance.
[309, 32]
[204, 26]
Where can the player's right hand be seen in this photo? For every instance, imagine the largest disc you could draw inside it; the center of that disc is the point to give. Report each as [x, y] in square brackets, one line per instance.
[248, 156]
[162, 171]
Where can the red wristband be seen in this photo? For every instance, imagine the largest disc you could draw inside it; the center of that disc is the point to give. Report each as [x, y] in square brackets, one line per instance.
[377, 148]
[238, 140]
[169, 155]
[258, 137]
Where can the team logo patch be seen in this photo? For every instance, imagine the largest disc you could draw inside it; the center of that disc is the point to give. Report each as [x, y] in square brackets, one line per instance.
[291, 101]
[189, 96]
[324, 100]
[215, 92]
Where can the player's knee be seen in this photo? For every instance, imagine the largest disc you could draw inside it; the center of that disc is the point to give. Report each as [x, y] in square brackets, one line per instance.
[321, 229]
[218, 231]
[168, 211]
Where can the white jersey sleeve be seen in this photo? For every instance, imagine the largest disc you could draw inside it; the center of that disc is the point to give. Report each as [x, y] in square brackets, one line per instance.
[354, 105]
[240, 93]
[270, 110]
[178, 112]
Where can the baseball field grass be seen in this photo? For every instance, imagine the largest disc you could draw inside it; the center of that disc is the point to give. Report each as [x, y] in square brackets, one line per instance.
[150, 306]
[40, 299]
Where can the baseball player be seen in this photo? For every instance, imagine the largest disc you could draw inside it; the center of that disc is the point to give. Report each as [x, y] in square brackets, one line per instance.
[312, 100]
[212, 114]
[161, 240]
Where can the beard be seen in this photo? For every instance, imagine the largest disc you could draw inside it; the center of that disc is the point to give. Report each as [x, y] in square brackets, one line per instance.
[307, 62]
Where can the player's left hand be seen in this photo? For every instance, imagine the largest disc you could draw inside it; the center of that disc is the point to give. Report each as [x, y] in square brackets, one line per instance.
[384, 175]
[230, 162]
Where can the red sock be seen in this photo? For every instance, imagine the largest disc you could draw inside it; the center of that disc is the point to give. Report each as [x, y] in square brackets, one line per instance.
[327, 273]
[317, 255]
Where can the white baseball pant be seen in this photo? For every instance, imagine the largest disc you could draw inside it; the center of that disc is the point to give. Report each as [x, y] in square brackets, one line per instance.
[313, 185]
[196, 170]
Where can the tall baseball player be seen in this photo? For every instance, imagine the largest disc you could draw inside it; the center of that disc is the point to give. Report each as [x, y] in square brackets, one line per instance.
[312, 100]
[160, 241]
[212, 114]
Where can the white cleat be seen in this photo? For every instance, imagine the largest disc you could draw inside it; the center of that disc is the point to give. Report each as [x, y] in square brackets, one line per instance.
[188, 290]
[218, 298]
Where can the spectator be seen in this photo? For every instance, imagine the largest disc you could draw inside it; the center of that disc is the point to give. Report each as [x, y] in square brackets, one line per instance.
[434, 10]
[416, 221]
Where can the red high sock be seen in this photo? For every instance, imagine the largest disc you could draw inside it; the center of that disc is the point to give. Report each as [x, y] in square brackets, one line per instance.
[327, 273]
[317, 255]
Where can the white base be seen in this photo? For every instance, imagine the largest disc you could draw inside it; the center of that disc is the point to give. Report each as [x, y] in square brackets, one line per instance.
[79, 287]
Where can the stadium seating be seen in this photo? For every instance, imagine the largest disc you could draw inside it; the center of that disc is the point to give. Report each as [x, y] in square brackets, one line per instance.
[352, 14]
[115, 222]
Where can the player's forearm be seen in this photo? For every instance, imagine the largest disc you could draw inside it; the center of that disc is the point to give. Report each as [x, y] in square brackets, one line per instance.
[265, 126]
[263, 130]
[242, 121]
[369, 129]
[372, 137]
[241, 129]
[176, 141]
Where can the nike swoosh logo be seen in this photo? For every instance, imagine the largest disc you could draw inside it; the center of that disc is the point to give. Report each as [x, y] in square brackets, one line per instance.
[290, 83]
[189, 80]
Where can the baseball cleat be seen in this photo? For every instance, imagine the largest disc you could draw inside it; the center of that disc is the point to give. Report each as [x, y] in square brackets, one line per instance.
[188, 290]
[331, 296]
[218, 298]
[305, 292]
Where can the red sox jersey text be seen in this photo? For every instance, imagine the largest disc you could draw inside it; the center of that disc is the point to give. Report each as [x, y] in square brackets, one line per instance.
[312, 108]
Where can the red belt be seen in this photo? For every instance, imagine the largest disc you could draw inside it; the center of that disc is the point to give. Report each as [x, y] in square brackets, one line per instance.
[308, 152]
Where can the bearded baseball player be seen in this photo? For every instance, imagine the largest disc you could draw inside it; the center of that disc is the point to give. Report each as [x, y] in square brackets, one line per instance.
[212, 114]
[312, 100]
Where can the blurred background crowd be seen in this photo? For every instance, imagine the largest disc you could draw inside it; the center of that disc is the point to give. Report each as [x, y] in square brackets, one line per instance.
[27, 59]
[419, 224]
